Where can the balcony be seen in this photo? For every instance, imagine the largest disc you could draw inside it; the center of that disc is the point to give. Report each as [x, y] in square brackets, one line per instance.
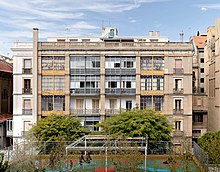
[120, 91]
[178, 111]
[121, 71]
[145, 46]
[27, 91]
[9, 133]
[178, 71]
[178, 91]
[26, 70]
[83, 91]
[113, 112]
[95, 71]
[85, 112]
[27, 111]
[178, 133]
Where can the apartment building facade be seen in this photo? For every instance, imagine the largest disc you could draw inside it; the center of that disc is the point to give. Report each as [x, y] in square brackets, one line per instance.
[200, 98]
[93, 78]
[5, 102]
[212, 75]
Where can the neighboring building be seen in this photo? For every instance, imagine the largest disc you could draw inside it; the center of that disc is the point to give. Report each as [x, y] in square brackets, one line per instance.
[212, 75]
[93, 78]
[5, 103]
[200, 103]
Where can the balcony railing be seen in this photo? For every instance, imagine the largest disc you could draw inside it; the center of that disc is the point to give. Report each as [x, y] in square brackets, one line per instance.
[178, 70]
[27, 71]
[177, 111]
[83, 91]
[120, 91]
[178, 133]
[115, 45]
[95, 71]
[85, 112]
[27, 91]
[113, 112]
[27, 111]
[122, 71]
[178, 91]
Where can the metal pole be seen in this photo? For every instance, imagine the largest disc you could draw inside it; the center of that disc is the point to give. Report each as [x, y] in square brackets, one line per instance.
[106, 160]
[145, 156]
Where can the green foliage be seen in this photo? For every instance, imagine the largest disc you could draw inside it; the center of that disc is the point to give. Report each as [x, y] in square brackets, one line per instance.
[53, 127]
[3, 165]
[138, 123]
[210, 143]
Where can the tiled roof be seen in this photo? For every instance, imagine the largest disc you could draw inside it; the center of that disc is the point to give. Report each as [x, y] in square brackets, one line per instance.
[5, 67]
[200, 41]
[4, 117]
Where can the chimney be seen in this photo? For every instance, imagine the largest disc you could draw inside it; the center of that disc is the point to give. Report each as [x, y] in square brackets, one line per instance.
[157, 33]
[151, 33]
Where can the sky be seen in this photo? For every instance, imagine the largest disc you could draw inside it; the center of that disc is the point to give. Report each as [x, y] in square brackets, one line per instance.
[87, 17]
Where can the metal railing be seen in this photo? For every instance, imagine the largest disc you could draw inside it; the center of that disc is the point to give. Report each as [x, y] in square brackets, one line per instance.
[87, 112]
[27, 70]
[27, 91]
[116, 45]
[82, 91]
[27, 111]
[121, 71]
[178, 111]
[178, 70]
[117, 91]
[178, 91]
[95, 71]
[201, 156]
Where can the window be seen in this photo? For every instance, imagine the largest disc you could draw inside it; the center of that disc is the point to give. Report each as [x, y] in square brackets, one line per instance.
[128, 64]
[47, 103]
[27, 63]
[202, 70]
[158, 103]
[95, 105]
[202, 60]
[126, 84]
[202, 80]
[117, 65]
[47, 83]
[113, 103]
[85, 40]
[79, 103]
[178, 104]
[27, 104]
[178, 84]
[128, 104]
[146, 63]
[53, 62]
[96, 64]
[112, 84]
[146, 102]
[178, 125]
[60, 40]
[146, 83]
[157, 83]
[4, 94]
[178, 63]
[59, 83]
[202, 90]
[158, 63]
[27, 86]
[198, 118]
[9, 125]
[59, 103]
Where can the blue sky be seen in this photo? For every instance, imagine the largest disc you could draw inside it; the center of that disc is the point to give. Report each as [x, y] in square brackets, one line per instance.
[86, 17]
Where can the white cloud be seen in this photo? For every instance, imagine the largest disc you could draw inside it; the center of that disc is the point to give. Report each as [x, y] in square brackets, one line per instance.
[52, 17]
[205, 7]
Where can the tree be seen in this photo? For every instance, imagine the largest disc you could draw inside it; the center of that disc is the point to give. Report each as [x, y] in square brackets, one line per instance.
[210, 143]
[53, 127]
[138, 123]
